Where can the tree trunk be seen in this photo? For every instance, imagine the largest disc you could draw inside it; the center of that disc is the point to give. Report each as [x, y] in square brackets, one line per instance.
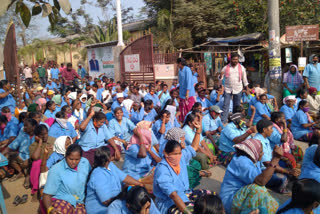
[71, 53]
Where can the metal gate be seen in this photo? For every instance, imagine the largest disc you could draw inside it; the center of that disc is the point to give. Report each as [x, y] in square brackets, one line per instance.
[144, 48]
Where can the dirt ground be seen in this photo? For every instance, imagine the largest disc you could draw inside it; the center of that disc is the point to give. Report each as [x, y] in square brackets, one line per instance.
[11, 189]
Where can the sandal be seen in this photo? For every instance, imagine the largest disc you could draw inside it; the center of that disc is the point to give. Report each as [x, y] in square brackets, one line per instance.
[283, 187]
[17, 200]
[24, 199]
[16, 177]
[206, 173]
[26, 184]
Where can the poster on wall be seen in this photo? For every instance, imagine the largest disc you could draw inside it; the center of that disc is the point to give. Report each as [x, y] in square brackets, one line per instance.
[164, 71]
[288, 55]
[218, 64]
[100, 61]
[132, 63]
[208, 60]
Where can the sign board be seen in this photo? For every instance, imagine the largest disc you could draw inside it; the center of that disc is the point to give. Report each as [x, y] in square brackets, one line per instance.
[132, 63]
[100, 61]
[302, 63]
[164, 71]
[302, 33]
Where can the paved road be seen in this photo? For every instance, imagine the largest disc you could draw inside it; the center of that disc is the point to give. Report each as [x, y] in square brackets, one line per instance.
[213, 183]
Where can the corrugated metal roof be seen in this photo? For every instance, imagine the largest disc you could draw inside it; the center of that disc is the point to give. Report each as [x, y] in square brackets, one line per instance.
[64, 40]
[102, 44]
[135, 26]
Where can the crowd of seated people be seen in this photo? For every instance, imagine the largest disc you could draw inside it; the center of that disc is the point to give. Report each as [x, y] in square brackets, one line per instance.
[67, 145]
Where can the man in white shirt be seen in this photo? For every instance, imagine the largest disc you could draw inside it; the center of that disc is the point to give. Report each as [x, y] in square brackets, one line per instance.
[107, 95]
[235, 79]
[28, 76]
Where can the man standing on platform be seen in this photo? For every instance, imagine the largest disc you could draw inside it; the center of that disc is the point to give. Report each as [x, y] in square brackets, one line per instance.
[235, 78]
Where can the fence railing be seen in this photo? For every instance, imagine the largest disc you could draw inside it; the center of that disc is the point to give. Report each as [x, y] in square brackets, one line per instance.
[165, 58]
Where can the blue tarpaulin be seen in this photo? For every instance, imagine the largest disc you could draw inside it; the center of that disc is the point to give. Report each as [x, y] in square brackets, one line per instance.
[236, 39]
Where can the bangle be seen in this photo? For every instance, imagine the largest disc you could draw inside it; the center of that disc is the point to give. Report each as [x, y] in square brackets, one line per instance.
[198, 132]
[285, 130]
[50, 209]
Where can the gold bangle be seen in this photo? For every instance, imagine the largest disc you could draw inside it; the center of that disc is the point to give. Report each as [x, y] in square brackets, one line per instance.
[285, 130]
[50, 209]
[198, 132]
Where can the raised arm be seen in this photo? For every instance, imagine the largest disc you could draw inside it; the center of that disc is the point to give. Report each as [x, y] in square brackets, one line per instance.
[253, 110]
[4, 94]
[37, 153]
[241, 138]
[196, 139]
[84, 123]
[162, 129]
[266, 174]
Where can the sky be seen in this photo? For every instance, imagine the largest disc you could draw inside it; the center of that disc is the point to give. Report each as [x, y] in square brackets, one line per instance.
[43, 23]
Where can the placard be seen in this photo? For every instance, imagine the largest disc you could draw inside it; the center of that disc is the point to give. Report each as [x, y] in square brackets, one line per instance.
[132, 63]
[164, 71]
[302, 33]
[302, 63]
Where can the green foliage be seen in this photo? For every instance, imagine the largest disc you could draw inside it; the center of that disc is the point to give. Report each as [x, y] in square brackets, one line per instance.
[107, 34]
[252, 16]
[48, 10]
[182, 23]
[222, 18]
[24, 13]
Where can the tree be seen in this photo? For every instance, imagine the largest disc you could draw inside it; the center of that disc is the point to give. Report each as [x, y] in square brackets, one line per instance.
[106, 34]
[196, 19]
[251, 16]
[167, 37]
[23, 34]
[204, 18]
[51, 11]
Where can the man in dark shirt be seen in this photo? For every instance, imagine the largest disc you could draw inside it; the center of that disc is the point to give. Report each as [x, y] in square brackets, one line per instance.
[68, 74]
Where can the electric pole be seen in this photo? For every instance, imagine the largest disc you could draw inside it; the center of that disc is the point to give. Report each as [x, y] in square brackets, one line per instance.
[275, 72]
